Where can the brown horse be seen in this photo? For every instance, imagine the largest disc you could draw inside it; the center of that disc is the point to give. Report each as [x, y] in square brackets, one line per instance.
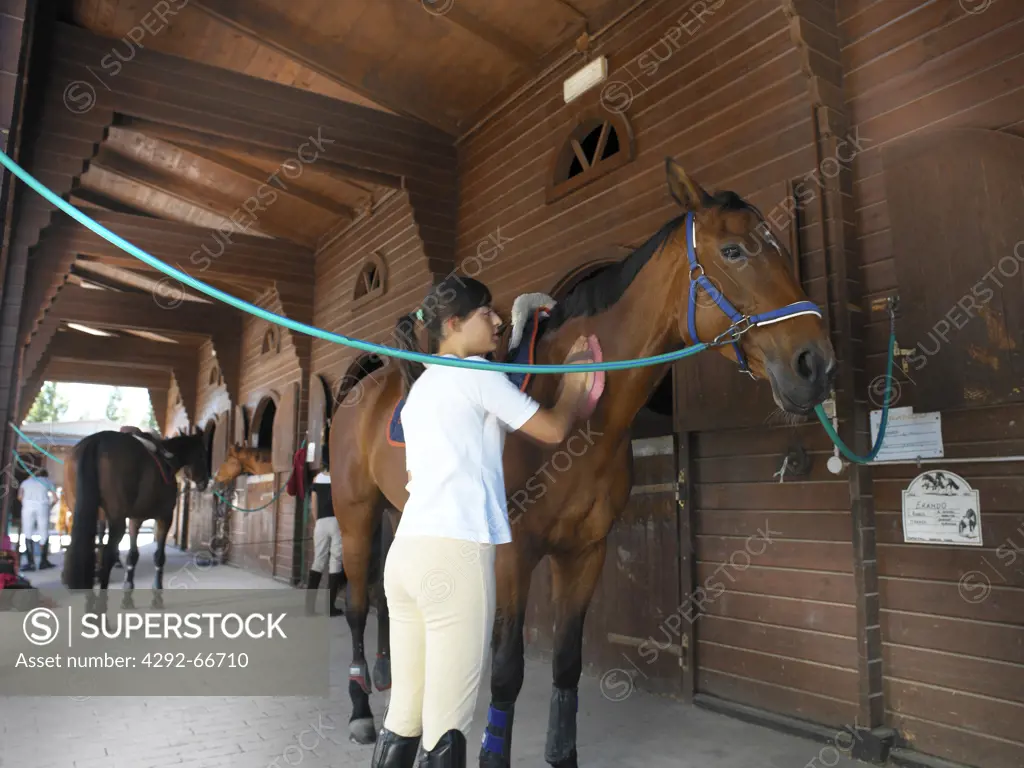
[116, 473]
[242, 460]
[658, 299]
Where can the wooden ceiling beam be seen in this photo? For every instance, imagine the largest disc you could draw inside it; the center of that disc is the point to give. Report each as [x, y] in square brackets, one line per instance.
[184, 137]
[85, 195]
[73, 344]
[251, 173]
[175, 91]
[176, 186]
[138, 311]
[324, 56]
[460, 17]
[85, 372]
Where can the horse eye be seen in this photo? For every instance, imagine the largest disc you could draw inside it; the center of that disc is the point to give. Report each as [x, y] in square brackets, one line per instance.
[732, 253]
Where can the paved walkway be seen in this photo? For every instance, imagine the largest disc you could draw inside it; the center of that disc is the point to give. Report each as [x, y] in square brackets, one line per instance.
[644, 731]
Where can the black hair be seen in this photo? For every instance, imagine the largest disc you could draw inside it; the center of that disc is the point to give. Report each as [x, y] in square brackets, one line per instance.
[453, 296]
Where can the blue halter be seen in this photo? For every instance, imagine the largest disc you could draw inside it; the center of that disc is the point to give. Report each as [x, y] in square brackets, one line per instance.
[740, 323]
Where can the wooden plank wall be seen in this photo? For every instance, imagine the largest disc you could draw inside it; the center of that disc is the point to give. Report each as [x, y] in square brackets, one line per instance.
[261, 373]
[760, 645]
[775, 560]
[743, 133]
[953, 640]
[391, 232]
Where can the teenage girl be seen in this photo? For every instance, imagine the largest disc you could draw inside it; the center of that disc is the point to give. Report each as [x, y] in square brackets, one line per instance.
[439, 573]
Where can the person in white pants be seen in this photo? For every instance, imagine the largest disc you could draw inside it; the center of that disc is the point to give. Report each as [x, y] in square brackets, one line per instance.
[326, 546]
[439, 572]
[37, 497]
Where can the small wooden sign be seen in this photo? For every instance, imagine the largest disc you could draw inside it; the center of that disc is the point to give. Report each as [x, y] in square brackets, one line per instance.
[940, 507]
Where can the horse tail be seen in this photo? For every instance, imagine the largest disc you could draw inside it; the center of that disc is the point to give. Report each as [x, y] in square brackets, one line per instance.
[82, 551]
[405, 338]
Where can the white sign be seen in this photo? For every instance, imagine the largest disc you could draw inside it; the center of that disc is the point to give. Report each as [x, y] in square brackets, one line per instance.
[908, 435]
[310, 452]
[939, 507]
[581, 81]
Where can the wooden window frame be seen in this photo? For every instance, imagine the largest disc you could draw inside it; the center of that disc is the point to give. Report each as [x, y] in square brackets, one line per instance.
[569, 147]
[271, 340]
[374, 262]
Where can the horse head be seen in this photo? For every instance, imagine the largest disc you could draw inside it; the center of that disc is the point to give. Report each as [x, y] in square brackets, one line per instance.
[232, 467]
[737, 285]
[189, 450]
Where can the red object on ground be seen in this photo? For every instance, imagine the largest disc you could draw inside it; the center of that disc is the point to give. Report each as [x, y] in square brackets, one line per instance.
[8, 552]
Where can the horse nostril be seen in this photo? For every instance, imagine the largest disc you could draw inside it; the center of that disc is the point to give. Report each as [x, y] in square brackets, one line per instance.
[804, 365]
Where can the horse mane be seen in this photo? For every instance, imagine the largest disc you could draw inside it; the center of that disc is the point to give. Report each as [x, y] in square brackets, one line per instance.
[602, 290]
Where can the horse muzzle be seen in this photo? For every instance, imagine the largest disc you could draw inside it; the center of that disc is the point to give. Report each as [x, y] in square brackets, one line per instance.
[805, 380]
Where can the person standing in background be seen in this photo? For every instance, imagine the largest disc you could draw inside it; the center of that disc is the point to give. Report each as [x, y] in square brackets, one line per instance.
[326, 546]
[37, 497]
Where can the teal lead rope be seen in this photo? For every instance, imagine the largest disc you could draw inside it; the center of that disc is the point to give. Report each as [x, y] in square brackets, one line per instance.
[418, 357]
[827, 423]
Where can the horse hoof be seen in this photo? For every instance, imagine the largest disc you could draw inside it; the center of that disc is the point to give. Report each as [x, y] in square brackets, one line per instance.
[382, 673]
[362, 731]
[127, 602]
[158, 601]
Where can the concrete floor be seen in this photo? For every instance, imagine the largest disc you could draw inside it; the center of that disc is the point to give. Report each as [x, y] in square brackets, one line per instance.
[643, 731]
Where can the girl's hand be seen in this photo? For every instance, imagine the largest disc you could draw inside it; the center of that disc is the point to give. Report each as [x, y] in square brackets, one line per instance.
[579, 354]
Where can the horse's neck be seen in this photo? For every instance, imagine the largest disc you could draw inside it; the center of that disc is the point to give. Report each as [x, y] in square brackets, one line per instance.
[642, 323]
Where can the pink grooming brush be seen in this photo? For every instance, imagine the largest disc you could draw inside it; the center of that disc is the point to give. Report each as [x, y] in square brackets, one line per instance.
[593, 354]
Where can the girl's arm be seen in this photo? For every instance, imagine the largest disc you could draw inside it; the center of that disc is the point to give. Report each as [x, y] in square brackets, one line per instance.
[520, 412]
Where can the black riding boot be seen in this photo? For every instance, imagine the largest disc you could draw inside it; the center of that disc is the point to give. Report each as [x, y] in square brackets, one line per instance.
[449, 752]
[44, 555]
[394, 751]
[30, 555]
[312, 586]
[333, 585]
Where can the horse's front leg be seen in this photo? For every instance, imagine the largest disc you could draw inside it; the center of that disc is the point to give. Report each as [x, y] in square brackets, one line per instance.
[574, 577]
[512, 569]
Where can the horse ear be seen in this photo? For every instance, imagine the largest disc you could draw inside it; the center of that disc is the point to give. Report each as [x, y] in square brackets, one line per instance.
[688, 193]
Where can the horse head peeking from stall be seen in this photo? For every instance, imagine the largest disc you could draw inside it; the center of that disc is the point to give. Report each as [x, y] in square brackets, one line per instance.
[130, 476]
[714, 274]
[242, 460]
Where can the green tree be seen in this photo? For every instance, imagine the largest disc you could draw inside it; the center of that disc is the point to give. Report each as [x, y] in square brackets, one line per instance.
[151, 423]
[49, 405]
[114, 412]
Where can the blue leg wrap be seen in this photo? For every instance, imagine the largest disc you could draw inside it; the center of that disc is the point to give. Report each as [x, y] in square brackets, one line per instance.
[497, 732]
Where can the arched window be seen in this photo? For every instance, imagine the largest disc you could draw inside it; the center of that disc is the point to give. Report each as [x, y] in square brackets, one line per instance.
[595, 146]
[271, 340]
[215, 376]
[371, 281]
[262, 429]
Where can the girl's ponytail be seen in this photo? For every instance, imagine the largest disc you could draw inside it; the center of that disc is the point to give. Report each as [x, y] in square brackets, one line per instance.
[405, 339]
[452, 297]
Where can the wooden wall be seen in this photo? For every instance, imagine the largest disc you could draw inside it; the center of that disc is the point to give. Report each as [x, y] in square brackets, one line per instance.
[782, 635]
[953, 640]
[391, 232]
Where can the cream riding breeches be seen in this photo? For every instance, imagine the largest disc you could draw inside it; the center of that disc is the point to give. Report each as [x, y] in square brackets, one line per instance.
[441, 597]
[327, 544]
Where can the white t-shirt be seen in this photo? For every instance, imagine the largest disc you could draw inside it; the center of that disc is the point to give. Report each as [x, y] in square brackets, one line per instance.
[455, 420]
[35, 492]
